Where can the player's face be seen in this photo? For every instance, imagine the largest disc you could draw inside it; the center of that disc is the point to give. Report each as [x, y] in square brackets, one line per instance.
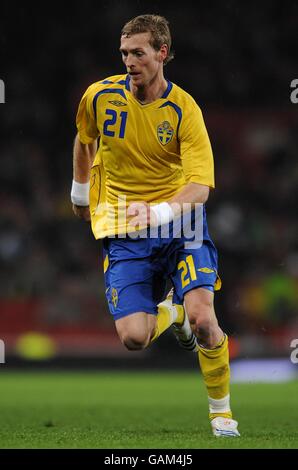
[141, 60]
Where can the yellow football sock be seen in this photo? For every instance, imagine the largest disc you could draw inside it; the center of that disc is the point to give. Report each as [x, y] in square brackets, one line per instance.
[216, 374]
[180, 314]
[166, 317]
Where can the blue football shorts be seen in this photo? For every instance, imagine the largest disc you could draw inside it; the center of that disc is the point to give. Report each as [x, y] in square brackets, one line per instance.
[136, 270]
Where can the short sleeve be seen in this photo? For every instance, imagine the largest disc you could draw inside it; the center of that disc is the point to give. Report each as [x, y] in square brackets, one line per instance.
[85, 119]
[195, 147]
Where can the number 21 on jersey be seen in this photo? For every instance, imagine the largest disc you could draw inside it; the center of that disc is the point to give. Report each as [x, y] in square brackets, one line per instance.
[110, 122]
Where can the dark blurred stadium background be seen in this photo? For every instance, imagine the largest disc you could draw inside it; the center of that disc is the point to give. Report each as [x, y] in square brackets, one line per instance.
[238, 60]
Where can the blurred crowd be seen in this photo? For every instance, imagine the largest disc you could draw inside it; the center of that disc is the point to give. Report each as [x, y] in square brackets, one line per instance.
[238, 63]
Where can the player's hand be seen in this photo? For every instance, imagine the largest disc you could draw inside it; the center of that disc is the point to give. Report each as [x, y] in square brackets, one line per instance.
[140, 215]
[82, 212]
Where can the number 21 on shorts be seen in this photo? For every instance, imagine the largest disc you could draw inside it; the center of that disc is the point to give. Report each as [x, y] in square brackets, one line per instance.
[188, 270]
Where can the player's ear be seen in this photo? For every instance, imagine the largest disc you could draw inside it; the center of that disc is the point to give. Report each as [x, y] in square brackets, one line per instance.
[163, 52]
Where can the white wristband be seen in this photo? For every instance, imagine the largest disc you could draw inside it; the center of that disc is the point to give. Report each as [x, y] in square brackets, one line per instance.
[164, 213]
[80, 193]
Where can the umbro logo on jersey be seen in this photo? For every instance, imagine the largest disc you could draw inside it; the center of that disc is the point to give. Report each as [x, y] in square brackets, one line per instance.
[117, 103]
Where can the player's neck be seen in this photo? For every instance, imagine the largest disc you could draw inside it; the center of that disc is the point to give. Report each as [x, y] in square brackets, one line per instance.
[151, 92]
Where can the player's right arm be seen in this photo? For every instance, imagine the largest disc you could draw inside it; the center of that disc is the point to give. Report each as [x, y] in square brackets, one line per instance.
[83, 156]
[84, 150]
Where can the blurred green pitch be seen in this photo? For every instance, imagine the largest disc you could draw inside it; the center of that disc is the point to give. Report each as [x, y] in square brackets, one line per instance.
[114, 410]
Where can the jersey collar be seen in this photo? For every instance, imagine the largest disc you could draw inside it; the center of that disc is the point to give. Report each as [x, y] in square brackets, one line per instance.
[165, 94]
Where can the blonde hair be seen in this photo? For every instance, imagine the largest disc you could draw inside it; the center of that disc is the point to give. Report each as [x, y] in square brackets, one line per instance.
[157, 25]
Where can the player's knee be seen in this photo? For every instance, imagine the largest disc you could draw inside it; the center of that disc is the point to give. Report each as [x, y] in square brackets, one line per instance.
[135, 330]
[199, 305]
[135, 342]
[199, 312]
[204, 323]
[202, 317]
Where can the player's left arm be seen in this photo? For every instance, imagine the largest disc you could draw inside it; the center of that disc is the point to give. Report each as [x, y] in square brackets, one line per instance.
[197, 165]
[198, 168]
[196, 158]
[191, 193]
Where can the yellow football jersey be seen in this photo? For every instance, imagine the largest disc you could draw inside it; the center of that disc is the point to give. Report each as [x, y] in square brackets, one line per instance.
[147, 152]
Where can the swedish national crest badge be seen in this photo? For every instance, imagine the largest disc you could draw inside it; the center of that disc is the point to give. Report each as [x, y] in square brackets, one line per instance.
[114, 297]
[165, 132]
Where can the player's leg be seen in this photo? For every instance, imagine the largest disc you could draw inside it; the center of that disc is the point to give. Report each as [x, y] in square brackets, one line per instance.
[195, 280]
[213, 359]
[173, 314]
[137, 330]
[167, 315]
[213, 349]
[135, 285]
[140, 329]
